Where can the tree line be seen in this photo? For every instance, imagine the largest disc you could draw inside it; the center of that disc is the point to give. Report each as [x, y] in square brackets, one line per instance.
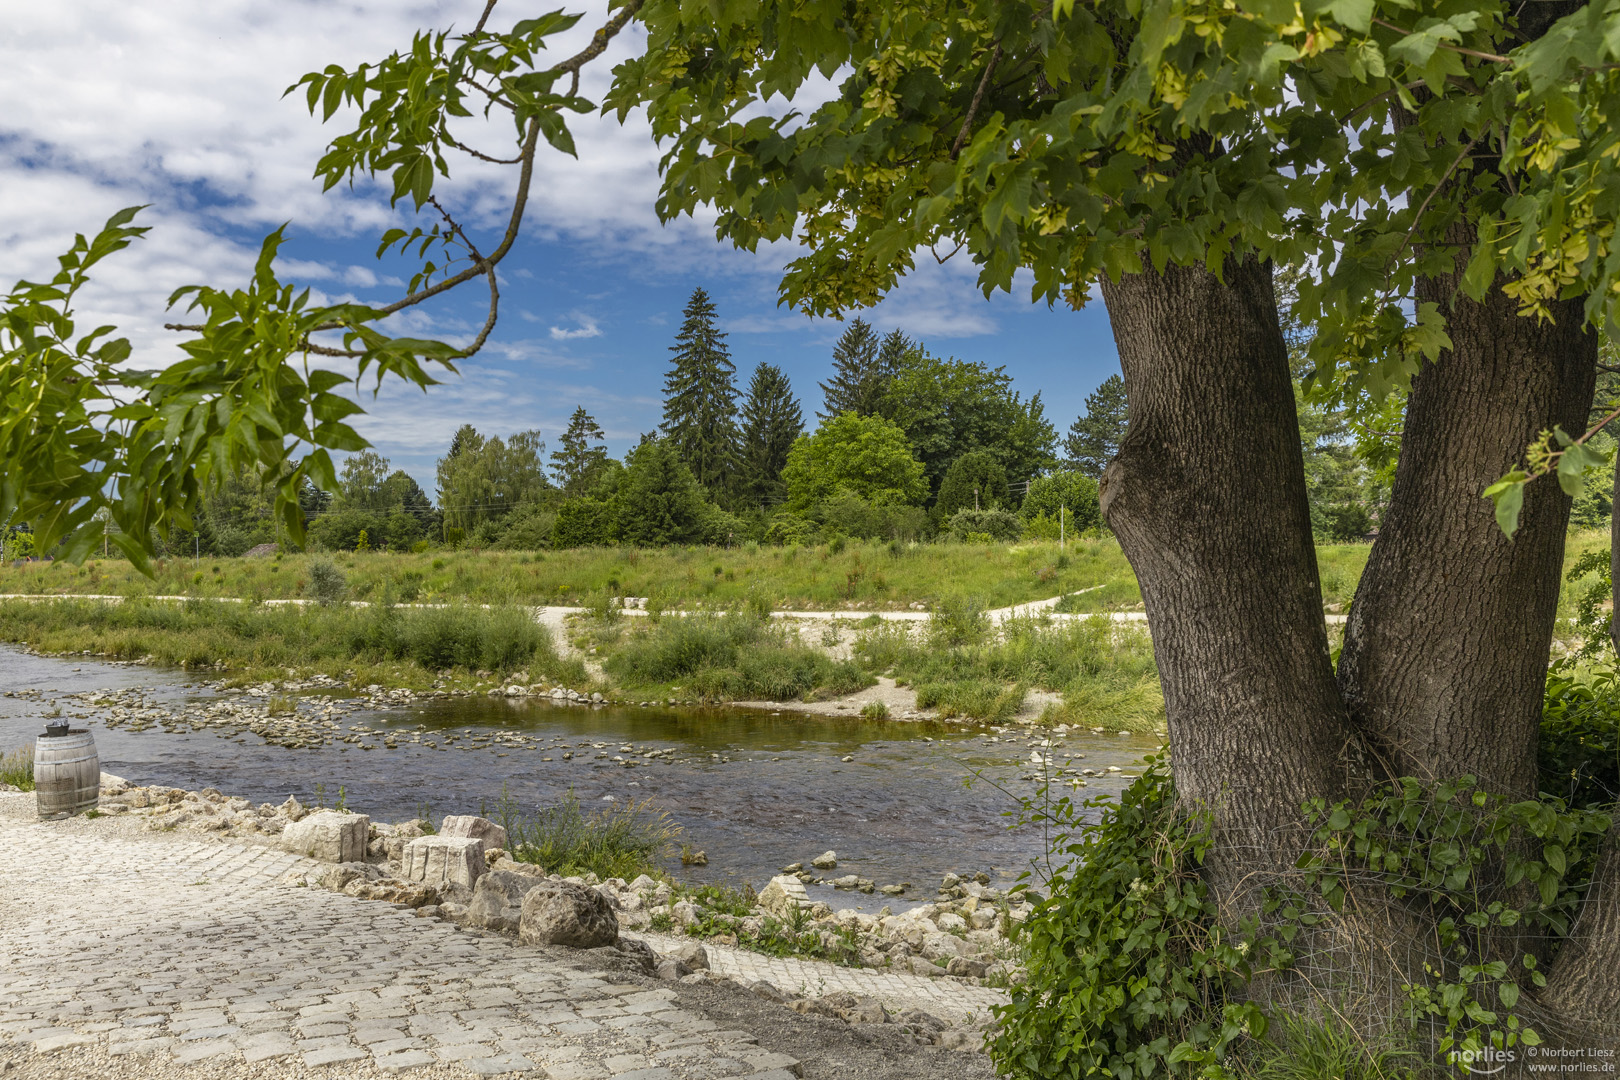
[906, 445]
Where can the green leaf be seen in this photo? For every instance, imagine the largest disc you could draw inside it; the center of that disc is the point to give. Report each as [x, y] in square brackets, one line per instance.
[1508, 496]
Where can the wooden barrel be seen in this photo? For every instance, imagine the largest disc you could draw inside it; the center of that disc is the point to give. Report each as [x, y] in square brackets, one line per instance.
[67, 774]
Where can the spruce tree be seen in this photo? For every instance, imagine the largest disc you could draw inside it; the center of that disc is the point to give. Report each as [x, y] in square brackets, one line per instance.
[771, 423]
[700, 395]
[577, 462]
[854, 386]
[1094, 438]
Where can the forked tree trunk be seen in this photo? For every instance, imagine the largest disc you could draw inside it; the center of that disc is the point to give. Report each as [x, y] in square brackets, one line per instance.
[1207, 497]
[1445, 653]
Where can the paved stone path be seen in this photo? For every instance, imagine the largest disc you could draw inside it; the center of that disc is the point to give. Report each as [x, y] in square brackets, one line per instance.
[947, 999]
[187, 950]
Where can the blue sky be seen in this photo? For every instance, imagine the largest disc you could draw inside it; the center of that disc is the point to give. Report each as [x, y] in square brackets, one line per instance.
[177, 104]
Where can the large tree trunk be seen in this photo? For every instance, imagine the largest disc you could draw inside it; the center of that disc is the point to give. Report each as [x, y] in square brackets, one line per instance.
[1207, 497]
[1445, 652]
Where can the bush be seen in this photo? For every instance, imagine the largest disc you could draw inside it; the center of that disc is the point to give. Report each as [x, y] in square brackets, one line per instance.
[529, 528]
[978, 525]
[1073, 490]
[1126, 977]
[583, 523]
[975, 481]
[991, 701]
[327, 585]
[850, 515]
[1579, 751]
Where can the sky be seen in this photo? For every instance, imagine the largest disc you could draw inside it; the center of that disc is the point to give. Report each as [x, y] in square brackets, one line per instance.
[177, 105]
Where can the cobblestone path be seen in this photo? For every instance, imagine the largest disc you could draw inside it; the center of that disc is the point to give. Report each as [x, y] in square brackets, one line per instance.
[181, 956]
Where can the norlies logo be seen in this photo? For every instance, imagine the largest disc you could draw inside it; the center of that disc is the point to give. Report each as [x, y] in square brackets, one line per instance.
[1485, 1061]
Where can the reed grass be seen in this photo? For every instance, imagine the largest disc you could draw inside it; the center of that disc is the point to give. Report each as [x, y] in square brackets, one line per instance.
[17, 767]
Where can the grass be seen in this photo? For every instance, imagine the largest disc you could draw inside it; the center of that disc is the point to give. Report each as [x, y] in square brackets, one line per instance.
[854, 575]
[618, 841]
[17, 768]
[1104, 670]
[384, 644]
[727, 657]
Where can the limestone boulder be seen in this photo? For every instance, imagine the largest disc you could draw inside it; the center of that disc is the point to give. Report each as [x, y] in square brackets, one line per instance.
[469, 825]
[783, 895]
[694, 956]
[497, 902]
[443, 861]
[329, 836]
[560, 913]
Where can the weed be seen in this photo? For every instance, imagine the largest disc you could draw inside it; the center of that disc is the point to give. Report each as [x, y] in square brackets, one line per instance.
[620, 841]
[874, 710]
[17, 767]
[327, 585]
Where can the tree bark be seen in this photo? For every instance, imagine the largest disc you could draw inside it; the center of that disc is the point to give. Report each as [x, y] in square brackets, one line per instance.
[1445, 653]
[1207, 497]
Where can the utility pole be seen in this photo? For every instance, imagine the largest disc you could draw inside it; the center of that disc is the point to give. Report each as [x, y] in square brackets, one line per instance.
[1061, 510]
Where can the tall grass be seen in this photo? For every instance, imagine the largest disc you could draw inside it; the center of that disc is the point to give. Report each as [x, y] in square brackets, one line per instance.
[722, 657]
[258, 639]
[1105, 670]
[619, 841]
[17, 767]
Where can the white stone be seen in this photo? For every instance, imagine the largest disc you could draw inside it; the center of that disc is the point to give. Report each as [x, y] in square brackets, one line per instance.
[328, 836]
[782, 895]
[468, 825]
[444, 860]
[825, 861]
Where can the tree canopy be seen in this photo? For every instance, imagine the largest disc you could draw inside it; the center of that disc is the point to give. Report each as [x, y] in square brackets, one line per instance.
[700, 394]
[1095, 435]
[864, 456]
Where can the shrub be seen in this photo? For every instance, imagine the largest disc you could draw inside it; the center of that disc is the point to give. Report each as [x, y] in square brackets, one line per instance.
[975, 481]
[989, 700]
[583, 523]
[1579, 751]
[958, 620]
[1072, 490]
[327, 585]
[997, 525]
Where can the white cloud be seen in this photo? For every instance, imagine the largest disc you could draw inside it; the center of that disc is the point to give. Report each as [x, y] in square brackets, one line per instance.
[587, 329]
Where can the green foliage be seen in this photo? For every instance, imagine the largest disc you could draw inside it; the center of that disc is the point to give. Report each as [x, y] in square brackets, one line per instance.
[845, 514]
[725, 657]
[1128, 976]
[1074, 490]
[1297, 1048]
[1578, 754]
[975, 481]
[327, 585]
[660, 501]
[17, 767]
[985, 526]
[1592, 618]
[771, 423]
[584, 522]
[620, 841]
[1094, 437]
[948, 408]
[1439, 850]
[862, 370]
[700, 394]
[580, 459]
[84, 435]
[262, 641]
[865, 456]
[482, 480]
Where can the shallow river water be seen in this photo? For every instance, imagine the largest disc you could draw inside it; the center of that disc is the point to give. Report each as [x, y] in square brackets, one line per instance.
[754, 790]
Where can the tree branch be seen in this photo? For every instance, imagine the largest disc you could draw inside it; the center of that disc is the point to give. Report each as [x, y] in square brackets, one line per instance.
[978, 99]
[1417, 218]
[1492, 57]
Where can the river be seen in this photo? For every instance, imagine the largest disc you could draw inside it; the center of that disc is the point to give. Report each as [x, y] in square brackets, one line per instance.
[753, 790]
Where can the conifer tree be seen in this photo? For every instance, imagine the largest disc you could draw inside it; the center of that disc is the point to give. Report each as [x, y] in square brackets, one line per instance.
[854, 386]
[581, 457]
[1093, 439]
[771, 422]
[700, 395]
